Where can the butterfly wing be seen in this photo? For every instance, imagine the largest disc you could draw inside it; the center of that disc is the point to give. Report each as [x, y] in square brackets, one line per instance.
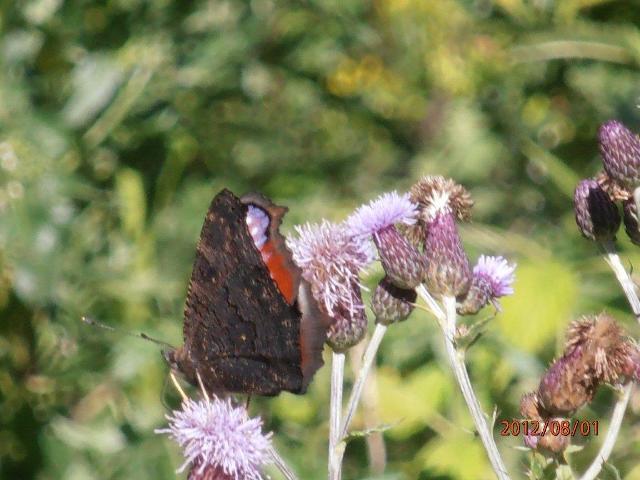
[240, 333]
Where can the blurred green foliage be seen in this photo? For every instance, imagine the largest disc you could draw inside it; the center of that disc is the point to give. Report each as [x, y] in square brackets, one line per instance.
[119, 121]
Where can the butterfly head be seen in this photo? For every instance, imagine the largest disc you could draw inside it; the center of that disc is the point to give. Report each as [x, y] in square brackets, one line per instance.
[179, 361]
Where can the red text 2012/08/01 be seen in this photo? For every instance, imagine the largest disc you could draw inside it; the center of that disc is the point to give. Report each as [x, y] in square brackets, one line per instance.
[553, 427]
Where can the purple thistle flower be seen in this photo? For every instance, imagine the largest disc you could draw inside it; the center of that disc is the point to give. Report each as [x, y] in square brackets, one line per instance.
[493, 278]
[498, 273]
[620, 150]
[217, 437]
[402, 262]
[383, 212]
[597, 216]
[331, 259]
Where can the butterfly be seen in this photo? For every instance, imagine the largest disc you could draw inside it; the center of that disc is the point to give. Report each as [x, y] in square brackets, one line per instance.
[251, 324]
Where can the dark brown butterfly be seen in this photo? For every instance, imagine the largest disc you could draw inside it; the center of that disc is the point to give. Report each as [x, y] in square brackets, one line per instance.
[250, 322]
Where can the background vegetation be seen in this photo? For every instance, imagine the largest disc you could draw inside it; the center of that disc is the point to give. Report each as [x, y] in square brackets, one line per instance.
[119, 121]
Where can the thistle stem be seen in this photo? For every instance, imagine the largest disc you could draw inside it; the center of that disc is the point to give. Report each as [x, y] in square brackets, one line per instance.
[612, 435]
[336, 447]
[367, 361]
[627, 284]
[629, 288]
[279, 462]
[431, 304]
[456, 359]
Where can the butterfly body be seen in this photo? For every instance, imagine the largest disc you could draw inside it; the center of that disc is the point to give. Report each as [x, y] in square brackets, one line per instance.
[250, 323]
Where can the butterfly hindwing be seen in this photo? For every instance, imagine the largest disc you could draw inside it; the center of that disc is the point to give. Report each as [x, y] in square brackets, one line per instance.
[240, 333]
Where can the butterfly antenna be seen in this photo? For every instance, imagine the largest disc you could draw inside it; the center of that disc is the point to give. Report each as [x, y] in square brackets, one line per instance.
[94, 323]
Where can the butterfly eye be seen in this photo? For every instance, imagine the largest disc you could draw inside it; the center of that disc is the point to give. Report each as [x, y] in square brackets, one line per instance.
[258, 223]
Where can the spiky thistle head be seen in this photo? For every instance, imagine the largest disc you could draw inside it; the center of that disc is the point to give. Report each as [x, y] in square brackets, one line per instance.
[493, 278]
[596, 215]
[392, 304]
[609, 353]
[434, 194]
[620, 150]
[385, 211]
[496, 272]
[331, 259]
[567, 384]
[221, 438]
[402, 262]
[440, 202]
[596, 351]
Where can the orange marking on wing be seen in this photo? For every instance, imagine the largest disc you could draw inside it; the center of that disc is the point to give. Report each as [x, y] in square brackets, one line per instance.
[275, 263]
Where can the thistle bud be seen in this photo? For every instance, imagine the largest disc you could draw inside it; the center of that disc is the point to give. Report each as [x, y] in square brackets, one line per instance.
[620, 150]
[630, 217]
[431, 193]
[492, 278]
[596, 215]
[567, 384]
[440, 201]
[448, 271]
[401, 261]
[392, 304]
[531, 409]
[349, 324]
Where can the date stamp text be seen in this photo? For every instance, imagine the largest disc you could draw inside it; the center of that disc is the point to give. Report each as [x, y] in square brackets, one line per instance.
[555, 427]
